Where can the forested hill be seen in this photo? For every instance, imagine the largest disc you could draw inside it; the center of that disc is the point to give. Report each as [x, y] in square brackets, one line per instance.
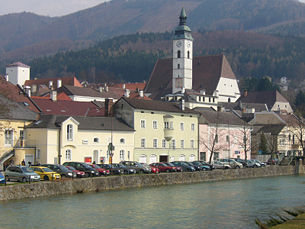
[29, 35]
[132, 57]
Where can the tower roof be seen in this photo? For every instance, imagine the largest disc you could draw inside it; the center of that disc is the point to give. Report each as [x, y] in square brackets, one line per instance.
[182, 31]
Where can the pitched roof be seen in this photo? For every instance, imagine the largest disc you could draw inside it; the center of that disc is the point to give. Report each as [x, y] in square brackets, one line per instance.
[71, 108]
[264, 118]
[18, 64]
[131, 86]
[15, 93]
[85, 123]
[60, 96]
[153, 105]
[80, 91]
[207, 71]
[272, 129]
[71, 80]
[267, 97]
[15, 111]
[218, 117]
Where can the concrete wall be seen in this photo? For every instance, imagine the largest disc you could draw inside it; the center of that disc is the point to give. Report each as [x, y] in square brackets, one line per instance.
[131, 181]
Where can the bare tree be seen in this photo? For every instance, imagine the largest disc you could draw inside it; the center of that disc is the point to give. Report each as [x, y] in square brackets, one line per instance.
[245, 142]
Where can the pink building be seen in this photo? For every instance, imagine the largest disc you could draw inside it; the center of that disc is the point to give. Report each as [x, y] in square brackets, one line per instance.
[224, 134]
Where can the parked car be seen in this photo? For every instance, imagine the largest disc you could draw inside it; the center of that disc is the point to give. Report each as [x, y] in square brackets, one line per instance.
[2, 178]
[152, 169]
[220, 165]
[163, 167]
[207, 164]
[126, 169]
[262, 164]
[243, 162]
[273, 161]
[175, 168]
[252, 164]
[136, 166]
[45, 173]
[102, 171]
[113, 170]
[200, 166]
[234, 164]
[21, 173]
[184, 166]
[61, 169]
[80, 174]
[81, 166]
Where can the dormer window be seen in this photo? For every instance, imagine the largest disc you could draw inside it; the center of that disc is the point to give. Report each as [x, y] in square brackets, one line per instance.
[69, 132]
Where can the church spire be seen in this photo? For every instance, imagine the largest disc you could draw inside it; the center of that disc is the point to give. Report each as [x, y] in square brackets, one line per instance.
[182, 31]
[182, 17]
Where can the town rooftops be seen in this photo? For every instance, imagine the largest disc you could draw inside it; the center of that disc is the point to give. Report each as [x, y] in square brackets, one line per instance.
[266, 97]
[270, 129]
[71, 108]
[71, 80]
[85, 123]
[207, 71]
[18, 64]
[131, 86]
[218, 117]
[79, 91]
[153, 105]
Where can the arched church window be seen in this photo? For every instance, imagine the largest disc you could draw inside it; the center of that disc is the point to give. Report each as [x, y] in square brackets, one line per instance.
[179, 54]
[178, 66]
[188, 54]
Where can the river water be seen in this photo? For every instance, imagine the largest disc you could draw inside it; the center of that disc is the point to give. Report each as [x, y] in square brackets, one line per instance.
[226, 204]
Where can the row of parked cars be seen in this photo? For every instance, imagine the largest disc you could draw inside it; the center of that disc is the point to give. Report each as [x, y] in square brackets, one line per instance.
[82, 170]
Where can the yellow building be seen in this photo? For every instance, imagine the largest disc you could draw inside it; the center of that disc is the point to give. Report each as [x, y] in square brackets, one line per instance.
[165, 131]
[59, 139]
[13, 118]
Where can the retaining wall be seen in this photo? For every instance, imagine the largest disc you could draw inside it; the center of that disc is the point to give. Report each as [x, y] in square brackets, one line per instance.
[97, 184]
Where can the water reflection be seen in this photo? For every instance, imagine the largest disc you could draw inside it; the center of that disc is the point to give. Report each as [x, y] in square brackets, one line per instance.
[230, 204]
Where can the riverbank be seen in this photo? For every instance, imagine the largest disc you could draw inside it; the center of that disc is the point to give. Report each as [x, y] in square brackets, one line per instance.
[98, 184]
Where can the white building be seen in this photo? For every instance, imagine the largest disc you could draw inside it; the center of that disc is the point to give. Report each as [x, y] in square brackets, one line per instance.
[18, 73]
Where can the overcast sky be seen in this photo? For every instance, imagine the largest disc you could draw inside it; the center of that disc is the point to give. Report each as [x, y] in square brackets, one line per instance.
[46, 7]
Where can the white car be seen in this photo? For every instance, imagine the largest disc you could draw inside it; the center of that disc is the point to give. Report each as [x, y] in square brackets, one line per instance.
[234, 164]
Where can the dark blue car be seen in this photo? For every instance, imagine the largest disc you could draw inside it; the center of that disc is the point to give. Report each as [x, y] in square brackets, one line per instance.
[2, 178]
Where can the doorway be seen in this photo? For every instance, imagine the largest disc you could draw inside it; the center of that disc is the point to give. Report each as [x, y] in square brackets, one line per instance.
[163, 158]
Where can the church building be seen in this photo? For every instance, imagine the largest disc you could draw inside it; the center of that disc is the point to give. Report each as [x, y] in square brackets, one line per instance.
[200, 81]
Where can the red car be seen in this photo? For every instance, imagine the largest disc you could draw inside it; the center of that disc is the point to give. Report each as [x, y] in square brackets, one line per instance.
[79, 174]
[153, 169]
[101, 171]
[174, 167]
[162, 167]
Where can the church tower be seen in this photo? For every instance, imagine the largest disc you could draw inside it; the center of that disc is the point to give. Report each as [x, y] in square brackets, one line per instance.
[182, 56]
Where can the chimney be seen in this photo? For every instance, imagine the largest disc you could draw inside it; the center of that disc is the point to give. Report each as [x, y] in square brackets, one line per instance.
[50, 84]
[53, 96]
[182, 104]
[59, 83]
[141, 93]
[183, 90]
[101, 89]
[124, 86]
[34, 88]
[106, 88]
[108, 107]
[6, 77]
[127, 93]
[245, 93]
[28, 90]
[202, 92]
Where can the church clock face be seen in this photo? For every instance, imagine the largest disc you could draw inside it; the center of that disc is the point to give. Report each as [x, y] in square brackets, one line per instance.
[178, 44]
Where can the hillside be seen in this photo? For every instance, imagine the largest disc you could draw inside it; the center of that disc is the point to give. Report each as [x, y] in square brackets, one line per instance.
[24, 31]
[132, 57]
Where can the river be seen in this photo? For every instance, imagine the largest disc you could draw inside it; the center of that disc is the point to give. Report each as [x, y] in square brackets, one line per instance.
[226, 204]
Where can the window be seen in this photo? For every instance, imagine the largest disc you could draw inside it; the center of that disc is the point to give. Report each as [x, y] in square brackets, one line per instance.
[188, 54]
[68, 155]
[192, 144]
[178, 66]
[293, 139]
[122, 155]
[228, 138]
[216, 156]
[173, 144]
[143, 142]
[192, 126]
[179, 54]
[181, 126]
[163, 143]
[122, 141]
[37, 153]
[128, 155]
[182, 144]
[155, 124]
[155, 143]
[96, 140]
[142, 123]
[166, 125]
[202, 156]
[69, 132]
[216, 138]
[9, 140]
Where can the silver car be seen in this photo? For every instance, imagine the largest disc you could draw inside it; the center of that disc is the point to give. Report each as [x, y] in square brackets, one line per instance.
[21, 173]
[234, 164]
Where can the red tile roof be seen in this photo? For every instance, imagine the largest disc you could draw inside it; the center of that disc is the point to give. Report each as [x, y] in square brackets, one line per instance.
[207, 71]
[72, 108]
[72, 81]
[60, 96]
[131, 86]
[16, 94]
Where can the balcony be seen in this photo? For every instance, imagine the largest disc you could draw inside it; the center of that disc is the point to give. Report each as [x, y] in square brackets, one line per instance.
[168, 133]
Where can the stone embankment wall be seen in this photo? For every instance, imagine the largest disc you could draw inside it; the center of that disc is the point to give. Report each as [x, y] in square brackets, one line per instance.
[97, 184]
